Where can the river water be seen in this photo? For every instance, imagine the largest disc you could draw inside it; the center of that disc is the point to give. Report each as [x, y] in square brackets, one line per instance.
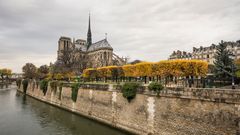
[23, 115]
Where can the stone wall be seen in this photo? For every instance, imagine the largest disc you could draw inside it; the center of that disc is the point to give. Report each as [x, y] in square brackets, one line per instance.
[175, 112]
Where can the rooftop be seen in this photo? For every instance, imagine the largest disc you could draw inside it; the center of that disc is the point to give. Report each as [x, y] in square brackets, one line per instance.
[99, 45]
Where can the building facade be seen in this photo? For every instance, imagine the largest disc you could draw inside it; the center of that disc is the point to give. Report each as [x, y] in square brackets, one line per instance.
[180, 55]
[81, 54]
[207, 53]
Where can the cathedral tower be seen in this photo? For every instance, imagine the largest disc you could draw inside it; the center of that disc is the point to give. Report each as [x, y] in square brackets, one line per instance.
[89, 34]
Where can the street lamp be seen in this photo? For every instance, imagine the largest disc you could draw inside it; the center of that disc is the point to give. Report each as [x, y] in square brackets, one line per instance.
[232, 66]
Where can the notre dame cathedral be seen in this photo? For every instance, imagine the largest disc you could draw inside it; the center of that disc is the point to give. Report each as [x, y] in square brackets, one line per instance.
[80, 54]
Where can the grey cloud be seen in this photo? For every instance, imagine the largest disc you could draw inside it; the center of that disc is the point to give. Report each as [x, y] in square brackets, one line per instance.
[147, 30]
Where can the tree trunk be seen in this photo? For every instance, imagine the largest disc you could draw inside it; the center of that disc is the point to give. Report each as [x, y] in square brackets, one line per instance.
[165, 81]
[2, 78]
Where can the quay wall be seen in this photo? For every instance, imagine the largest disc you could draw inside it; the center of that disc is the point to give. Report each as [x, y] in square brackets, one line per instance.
[175, 112]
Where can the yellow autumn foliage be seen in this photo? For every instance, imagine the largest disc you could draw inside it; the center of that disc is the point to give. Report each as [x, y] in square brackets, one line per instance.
[60, 76]
[5, 71]
[177, 68]
[129, 70]
[114, 71]
[69, 75]
[143, 69]
[89, 73]
[103, 72]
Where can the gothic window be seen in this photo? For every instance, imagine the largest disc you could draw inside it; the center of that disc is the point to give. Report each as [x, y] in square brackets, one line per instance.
[64, 45]
[67, 45]
[105, 55]
[208, 56]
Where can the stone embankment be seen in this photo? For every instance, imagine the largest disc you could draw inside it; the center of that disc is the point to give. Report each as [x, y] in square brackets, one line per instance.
[175, 112]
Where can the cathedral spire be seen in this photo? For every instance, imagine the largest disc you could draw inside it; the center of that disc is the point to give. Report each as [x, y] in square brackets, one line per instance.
[89, 34]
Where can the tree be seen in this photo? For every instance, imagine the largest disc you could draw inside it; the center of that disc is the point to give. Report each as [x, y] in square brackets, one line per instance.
[29, 70]
[115, 72]
[157, 87]
[129, 71]
[223, 63]
[5, 73]
[144, 69]
[103, 72]
[211, 68]
[59, 76]
[69, 75]
[135, 62]
[43, 71]
[67, 62]
[1, 74]
[237, 63]
[163, 69]
[68, 58]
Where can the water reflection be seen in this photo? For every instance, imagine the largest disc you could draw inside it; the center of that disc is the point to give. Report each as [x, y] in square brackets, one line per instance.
[24, 98]
[22, 115]
[2, 86]
[49, 116]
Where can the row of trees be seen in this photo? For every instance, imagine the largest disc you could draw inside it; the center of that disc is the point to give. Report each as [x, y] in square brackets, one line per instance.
[32, 72]
[5, 73]
[158, 70]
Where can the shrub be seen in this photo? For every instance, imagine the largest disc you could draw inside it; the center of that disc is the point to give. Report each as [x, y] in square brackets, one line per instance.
[18, 82]
[33, 85]
[25, 85]
[157, 87]
[44, 86]
[129, 90]
[75, 87]
[53, 85]
[37, 82]
[60, 84]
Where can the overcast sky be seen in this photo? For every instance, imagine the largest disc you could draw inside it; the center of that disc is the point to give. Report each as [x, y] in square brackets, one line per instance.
[140, 29]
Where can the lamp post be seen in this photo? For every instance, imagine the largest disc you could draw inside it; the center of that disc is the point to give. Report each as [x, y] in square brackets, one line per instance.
[233, 84]
[232, 66]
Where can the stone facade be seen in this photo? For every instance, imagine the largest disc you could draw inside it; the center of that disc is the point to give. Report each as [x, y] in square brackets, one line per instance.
[206, 53]
[84, 54]
[180, 55]
[175, 112]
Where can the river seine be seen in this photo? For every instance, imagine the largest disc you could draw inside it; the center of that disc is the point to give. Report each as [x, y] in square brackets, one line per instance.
[23, 115]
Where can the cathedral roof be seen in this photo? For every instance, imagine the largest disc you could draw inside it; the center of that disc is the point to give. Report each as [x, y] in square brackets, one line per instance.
[81, 47]
[99, 45]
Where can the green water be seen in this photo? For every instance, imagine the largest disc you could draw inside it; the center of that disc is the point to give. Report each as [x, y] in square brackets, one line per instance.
[23, 115]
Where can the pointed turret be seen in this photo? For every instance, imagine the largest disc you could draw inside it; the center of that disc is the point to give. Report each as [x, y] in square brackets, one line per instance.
[89, 34]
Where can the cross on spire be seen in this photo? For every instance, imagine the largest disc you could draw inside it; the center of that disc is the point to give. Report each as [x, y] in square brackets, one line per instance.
[105, 35]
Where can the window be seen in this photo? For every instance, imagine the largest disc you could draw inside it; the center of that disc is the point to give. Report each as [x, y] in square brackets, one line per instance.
[105, 55]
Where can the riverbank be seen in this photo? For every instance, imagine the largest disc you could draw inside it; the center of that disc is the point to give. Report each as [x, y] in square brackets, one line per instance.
[74, 112]
[23, 115]
[192, 111]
